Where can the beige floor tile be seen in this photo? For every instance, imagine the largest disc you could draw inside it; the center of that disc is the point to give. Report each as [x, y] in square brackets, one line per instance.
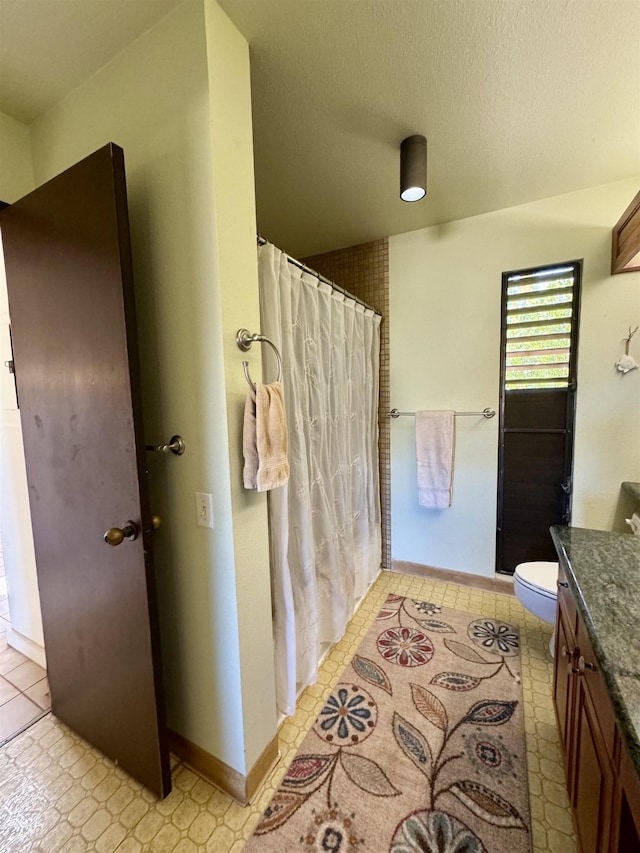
[7, 691]
[16, 714]
[10, 659]
[39, 693]
[25, 675]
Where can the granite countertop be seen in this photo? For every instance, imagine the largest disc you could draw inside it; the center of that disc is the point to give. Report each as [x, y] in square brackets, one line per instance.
[633, 489]
[604, 577]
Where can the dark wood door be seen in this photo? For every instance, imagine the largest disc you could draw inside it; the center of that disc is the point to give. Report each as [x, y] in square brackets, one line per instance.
[538, 352]
[68, 266]
[536, 450]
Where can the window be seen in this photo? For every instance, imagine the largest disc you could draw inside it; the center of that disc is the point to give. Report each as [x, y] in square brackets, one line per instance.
[539, 314]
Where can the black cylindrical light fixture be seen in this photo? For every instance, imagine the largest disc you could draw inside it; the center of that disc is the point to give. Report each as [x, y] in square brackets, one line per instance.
[413, 168]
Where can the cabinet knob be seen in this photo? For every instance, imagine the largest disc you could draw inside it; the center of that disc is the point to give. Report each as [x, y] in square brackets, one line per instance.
[583, 666]
[562, 584]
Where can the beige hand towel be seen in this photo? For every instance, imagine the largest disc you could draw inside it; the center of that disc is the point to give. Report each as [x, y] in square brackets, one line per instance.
[249, 446]
[265, 438]
[435, 443]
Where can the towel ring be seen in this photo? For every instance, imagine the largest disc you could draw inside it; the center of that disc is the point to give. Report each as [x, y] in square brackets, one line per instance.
[244, 339]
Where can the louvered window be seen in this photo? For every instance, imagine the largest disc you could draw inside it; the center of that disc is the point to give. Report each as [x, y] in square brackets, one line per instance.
[539, 314]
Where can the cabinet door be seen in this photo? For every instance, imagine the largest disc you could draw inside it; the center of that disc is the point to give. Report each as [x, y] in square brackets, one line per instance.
[562, 682]
[626, 834]
[591, 786]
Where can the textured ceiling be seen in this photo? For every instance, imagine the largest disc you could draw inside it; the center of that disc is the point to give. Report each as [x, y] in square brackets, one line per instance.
[519, 100]
[48, 47]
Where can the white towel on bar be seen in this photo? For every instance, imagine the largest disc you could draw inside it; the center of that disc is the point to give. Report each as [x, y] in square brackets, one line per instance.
[435, 444]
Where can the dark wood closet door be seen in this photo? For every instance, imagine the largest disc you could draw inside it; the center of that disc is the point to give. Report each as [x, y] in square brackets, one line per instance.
[68, 266]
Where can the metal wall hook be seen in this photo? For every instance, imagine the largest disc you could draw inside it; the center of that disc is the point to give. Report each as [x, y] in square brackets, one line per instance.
[244, 339]
[174, 445]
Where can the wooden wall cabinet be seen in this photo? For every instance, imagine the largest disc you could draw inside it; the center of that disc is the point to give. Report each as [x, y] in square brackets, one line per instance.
[625, 244]
[603, 785]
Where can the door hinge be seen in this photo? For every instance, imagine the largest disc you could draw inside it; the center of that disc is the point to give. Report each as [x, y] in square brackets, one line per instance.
[10, 366]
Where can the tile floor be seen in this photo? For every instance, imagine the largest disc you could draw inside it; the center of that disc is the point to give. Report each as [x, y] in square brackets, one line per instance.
[59, 794]
[24, 691]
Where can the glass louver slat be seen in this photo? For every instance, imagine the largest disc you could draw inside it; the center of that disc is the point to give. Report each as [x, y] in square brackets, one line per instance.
[538, 288]
[546, 342]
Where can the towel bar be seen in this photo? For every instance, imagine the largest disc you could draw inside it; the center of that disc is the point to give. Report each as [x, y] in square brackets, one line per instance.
[486, 413]
[244, 339]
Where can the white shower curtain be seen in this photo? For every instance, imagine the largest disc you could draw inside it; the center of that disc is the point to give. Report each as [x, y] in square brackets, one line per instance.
[325, 524]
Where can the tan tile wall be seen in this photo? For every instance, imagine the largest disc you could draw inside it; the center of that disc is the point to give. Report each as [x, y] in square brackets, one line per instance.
[364, 271]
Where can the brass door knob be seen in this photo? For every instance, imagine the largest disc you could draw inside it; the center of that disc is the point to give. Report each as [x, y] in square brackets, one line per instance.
[116, 535]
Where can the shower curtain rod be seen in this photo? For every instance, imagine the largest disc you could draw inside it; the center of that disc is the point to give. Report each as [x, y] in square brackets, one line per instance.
[305, 268]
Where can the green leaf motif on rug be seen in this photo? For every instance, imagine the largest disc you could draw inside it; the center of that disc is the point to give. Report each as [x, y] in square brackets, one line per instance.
[486, 804]
[413, 743]
[367, 775]
[372, 673]
[466, 652]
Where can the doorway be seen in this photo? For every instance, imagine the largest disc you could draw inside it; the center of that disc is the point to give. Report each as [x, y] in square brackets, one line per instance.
[538, 384]
[24, 689]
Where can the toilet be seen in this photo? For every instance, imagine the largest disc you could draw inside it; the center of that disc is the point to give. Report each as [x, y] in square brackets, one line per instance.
[535, 586]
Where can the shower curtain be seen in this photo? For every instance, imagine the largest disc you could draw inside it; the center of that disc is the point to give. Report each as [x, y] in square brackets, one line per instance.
[325, 524]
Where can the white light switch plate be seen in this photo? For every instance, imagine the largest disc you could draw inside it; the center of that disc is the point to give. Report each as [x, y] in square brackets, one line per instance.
[204, 509]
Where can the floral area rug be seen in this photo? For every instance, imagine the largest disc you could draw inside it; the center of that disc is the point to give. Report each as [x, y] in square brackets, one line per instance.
[420, 747]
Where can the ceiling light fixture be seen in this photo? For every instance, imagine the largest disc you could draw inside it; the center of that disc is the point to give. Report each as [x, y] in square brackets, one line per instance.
[413, 168]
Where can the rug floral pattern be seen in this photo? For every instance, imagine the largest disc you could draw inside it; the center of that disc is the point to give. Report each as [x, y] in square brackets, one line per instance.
[420, 747]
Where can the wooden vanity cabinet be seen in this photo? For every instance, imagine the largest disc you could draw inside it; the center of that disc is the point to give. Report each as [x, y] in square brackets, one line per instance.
[603, 785]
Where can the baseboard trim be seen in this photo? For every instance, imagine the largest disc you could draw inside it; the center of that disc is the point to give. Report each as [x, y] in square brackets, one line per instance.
[449, 576]
[27, 647]
[240, 788]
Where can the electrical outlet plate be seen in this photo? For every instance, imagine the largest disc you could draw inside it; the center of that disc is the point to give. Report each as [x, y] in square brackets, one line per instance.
[204, 509]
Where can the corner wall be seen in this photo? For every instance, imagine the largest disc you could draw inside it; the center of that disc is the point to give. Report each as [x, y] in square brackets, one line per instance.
[445, 290]
[194, 258]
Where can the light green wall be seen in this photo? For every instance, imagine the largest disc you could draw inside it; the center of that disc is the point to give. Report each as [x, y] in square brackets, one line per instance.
[234, 200]
[188, 156]
[445, 290]
[16, 170]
